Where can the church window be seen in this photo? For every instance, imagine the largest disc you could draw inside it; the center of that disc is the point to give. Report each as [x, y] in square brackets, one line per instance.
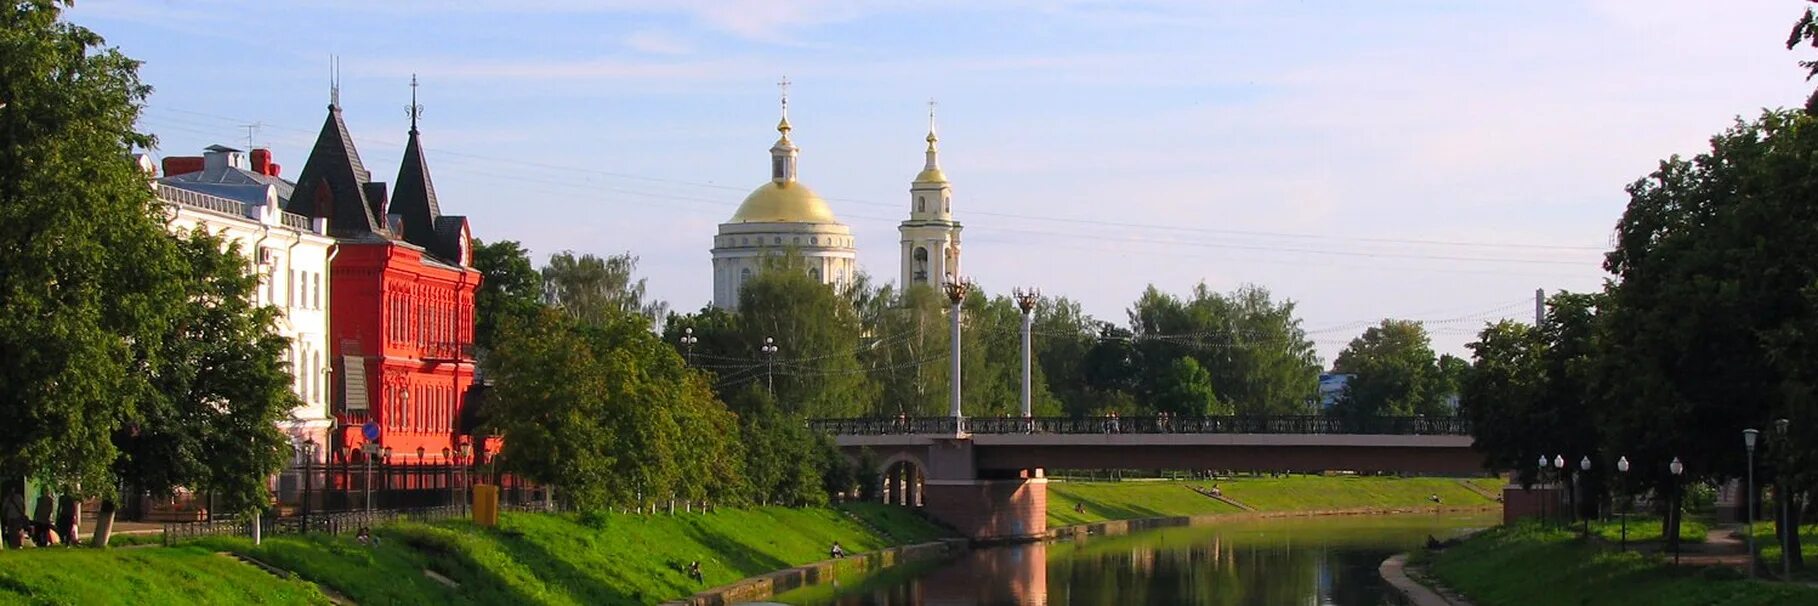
[744, 274]
[744, 242]
[778, 241]
[920, 265]
[947, 205]
[776, 167]
[814, 273]
[814, 241]
[921, 204]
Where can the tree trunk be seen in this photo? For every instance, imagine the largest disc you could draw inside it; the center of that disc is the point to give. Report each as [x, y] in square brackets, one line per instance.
[104, 523]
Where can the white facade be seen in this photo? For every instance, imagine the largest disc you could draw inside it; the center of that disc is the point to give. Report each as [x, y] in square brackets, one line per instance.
[782, 216]
[931, 238]
[291, 253]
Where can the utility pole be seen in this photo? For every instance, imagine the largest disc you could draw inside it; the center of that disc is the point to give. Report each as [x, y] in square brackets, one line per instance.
[1026, 300]
[1540, 307]
[956, 292]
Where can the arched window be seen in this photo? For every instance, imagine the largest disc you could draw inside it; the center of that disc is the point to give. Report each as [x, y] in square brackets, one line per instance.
[744, 274]
[921, 204]
[814, 273]
[920, 265]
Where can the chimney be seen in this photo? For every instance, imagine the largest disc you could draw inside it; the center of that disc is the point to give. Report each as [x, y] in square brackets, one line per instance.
[261, 160]
[221, 157]
[272, 169]
[182, 165]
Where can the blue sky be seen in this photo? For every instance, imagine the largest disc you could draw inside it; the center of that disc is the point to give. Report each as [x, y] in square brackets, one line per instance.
[1431, 160]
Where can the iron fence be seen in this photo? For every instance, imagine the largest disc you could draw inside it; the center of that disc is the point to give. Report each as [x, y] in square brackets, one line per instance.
[1270, 424]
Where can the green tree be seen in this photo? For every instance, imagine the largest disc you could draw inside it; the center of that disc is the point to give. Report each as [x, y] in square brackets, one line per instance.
[510, 288]
[1393, 373]
[1186, 390]
[1063, 335]
[816, 369]
[91, 280]
[592, 289]
[1260, 359]
[1713, 260]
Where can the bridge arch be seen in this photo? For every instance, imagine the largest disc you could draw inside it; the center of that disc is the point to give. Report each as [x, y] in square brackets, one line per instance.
[902, 476]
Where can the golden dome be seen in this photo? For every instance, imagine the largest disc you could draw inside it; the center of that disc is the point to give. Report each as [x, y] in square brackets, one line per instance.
[932, 175]
[785, 202]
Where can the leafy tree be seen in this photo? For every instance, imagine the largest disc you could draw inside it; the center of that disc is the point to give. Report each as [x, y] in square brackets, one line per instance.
[1501, 397]
[1063, 336]
[592, 289]
[510, 288]
[1393, 373]
[816, 370]
[1259, 357]
[786, 463]
[90, 281]
[1714, 256]
[1186, 390]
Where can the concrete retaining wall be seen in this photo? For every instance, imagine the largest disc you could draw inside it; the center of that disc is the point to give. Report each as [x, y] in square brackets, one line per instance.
[766, 585]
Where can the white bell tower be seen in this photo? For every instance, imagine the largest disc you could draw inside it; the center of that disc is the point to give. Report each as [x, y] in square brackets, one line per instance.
[931, 238]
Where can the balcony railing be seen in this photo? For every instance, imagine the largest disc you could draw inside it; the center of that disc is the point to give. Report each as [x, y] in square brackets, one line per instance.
[1272, 424]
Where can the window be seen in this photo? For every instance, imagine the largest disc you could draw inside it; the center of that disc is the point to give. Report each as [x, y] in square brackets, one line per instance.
[921, 204]
[318, 291]
[920, 266]
[814, 273]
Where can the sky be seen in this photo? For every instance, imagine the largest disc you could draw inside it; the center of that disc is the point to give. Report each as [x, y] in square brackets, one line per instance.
[1427, 160]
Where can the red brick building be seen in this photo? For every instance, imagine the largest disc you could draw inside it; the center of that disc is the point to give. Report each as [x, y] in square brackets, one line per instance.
[401, 319]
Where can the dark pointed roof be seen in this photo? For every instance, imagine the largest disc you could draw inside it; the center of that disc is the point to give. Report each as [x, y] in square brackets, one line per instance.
[333, 183]
[415, 196]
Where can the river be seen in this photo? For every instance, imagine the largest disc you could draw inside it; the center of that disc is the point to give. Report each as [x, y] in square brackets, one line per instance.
[1291, 561]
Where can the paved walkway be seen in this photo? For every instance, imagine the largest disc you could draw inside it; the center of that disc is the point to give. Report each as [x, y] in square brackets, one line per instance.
[1394, 571]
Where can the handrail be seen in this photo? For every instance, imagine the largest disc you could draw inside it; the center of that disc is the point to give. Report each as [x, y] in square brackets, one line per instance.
[1236, 424]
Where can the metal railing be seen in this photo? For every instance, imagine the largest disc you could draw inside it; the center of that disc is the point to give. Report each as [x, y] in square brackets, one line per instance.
[296, 221]
[200, 200]
[1270, 424]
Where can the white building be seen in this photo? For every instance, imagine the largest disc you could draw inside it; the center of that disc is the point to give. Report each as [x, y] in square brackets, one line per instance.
[242, 203]
[931, 238]
[781, 216]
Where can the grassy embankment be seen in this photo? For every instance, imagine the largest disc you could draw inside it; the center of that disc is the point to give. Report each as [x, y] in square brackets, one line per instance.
[528, 559]
[1531, 564]
[1164, 498]
[152, 575]
[1643, 529]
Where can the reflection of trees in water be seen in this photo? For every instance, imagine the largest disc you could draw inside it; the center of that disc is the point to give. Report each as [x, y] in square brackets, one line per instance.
[1332, 562]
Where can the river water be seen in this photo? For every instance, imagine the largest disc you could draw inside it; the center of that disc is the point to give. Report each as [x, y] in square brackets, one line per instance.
[1288, 561]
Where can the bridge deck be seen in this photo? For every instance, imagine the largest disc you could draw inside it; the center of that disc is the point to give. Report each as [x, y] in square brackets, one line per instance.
[1163, 439]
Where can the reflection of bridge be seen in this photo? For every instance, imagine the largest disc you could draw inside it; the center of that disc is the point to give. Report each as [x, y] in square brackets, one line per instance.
[988, 482]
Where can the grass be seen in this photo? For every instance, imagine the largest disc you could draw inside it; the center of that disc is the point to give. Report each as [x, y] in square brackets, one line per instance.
[153, 575]
[1769, 546]
[1149, 499]
[569, 559]
[1643, 529]
[1531, 564]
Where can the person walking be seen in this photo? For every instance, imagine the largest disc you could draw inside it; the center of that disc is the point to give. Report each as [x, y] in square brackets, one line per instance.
[12, 515]
[67, 512]
[41, 519]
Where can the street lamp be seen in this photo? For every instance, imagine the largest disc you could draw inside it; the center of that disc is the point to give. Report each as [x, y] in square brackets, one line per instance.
[1677, 469]
[309, 456]
[1622, 466]
[466, 471]
[1542, 478]
[769, 350]
[1584, 465]
[1748, 443]
[1559, 465]
[1781, 493]
[688, 342]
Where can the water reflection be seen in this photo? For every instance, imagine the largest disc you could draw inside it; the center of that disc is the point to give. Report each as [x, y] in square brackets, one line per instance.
[1323, 561]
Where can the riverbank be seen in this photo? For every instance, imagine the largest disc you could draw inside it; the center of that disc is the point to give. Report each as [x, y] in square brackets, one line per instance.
[1533, 564]
[528, 559]
[1137, 499]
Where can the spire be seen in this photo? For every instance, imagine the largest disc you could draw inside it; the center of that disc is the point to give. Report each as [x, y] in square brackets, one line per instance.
[414, 197]
[334, 183]
[933, 162]
[415, 110]
[783, 154]
[783, 126]
[334, 82]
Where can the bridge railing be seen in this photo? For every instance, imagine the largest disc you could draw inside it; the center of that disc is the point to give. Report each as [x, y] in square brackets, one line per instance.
[1274, 424]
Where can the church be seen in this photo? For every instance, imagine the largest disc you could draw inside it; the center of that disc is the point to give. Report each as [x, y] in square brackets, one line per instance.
[784, 214]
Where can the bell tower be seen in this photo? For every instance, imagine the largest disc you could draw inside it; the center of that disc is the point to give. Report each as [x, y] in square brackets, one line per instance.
[931, 238]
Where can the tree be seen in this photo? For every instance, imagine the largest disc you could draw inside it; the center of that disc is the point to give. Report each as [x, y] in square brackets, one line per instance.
[90, 281]
[816, 370]
[1713, 259]
[592, 289]
[1393, 373]
[510, 288]
[1186, 390]
[1500, 397]
[1259, 357]
[1063, 335]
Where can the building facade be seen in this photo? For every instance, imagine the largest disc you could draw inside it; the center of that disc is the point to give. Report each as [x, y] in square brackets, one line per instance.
[782, 216]
[401, 328]
[931, 238]
[224, 194]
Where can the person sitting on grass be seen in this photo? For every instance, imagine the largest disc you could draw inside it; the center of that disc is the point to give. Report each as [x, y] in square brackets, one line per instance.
[694, 571]
[837, 551]
[364, 536]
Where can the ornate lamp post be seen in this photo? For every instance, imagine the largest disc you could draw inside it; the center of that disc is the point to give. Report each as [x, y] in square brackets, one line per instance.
[1540, 474]
[1677, 470]
[1781, 493]
[688, 341]
[956, 293]
[1559, 467]
[1622, 466]
[1026, 300]
[309, 457]
[1748, 443]
[466, 471]
[769, 350]
[1584, 465]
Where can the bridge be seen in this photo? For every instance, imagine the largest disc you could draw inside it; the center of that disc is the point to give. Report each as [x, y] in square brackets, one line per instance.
[985, 476]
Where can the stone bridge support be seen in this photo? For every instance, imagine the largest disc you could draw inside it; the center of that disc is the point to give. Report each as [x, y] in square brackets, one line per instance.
[988, 505]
